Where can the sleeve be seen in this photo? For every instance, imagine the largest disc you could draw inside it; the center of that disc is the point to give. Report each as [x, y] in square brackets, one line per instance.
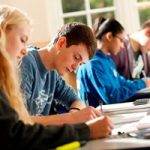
[89, 85]
[114, 93]
[27, 80]
[16, 135]
[64, 92]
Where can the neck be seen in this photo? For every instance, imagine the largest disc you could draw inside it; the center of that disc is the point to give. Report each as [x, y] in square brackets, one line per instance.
[47, 57]
[104, 48]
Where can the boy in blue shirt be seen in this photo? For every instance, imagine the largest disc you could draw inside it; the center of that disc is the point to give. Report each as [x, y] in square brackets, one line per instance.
[41, 72]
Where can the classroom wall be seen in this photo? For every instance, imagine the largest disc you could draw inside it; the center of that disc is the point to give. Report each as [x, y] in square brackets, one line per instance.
[38, 14]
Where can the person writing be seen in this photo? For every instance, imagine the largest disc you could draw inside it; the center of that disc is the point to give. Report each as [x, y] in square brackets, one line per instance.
[98, 79]
[42, 70]
[18, 130]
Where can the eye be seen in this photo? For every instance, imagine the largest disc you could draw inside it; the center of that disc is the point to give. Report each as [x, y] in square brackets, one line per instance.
[76, 57]
[24, 40]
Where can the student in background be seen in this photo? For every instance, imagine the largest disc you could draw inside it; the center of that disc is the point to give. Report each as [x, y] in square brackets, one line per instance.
[133, 61]
[98, 79]
[18, 131]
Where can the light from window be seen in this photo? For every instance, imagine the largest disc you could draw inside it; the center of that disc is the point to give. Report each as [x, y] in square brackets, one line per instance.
[144, 10]
[100, 3]
[76, 19]
[73, 5]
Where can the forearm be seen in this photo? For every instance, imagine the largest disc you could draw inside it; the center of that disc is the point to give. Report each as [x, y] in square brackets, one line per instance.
[60, 119]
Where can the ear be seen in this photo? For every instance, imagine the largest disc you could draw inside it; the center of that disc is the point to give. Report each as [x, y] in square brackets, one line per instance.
[109, 36]
[61, 43]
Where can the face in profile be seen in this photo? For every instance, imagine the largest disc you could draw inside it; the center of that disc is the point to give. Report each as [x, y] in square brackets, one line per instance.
[69, 58]
[117, 43]
[16, 40]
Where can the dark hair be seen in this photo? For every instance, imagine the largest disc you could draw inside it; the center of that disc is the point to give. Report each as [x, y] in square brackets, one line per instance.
[103, 26]
[77, 33]
[146, 24]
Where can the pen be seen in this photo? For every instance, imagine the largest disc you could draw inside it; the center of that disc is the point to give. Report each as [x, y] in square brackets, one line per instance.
[71, 146]
[100, 104]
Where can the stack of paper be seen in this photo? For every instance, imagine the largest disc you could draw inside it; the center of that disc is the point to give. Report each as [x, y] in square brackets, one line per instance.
[124, 108]
[144, 122]
[127, 118]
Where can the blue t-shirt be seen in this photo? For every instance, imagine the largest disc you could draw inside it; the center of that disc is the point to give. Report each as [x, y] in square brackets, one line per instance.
[41, 86]
[98, 79]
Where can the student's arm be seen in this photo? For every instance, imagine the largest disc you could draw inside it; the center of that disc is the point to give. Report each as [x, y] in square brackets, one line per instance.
[77, 105]
[16, 135]
[117, 93]
[72, 117]
[66, 94]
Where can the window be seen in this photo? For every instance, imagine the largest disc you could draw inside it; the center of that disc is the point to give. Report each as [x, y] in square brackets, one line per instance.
[86, 11]
[125, 11]
[144, 10]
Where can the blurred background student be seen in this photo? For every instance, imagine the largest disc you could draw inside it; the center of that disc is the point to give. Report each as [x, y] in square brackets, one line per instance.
[98, 79]
[18, 131]
[133, 61]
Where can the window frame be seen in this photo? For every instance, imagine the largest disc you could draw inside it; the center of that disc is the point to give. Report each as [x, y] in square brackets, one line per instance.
[120, 8]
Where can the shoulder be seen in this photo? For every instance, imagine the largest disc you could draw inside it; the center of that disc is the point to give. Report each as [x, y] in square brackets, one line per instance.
[30, 57]
[29, 61]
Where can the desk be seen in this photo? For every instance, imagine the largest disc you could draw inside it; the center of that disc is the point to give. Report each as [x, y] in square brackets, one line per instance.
[116, 141]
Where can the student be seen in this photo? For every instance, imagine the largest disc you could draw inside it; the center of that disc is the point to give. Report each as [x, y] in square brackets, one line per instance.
[98, 79]
[17, 129]
[133, 61]
[17, 42]
[41, 72]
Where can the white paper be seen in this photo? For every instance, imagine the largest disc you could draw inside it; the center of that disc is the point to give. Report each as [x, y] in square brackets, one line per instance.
[144, 122]
[124, 108]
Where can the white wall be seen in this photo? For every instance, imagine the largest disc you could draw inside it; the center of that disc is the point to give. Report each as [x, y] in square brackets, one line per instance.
[127, 14]
[37, 11]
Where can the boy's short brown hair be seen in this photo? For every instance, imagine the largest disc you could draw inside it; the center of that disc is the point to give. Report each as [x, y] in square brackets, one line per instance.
[78, 33]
